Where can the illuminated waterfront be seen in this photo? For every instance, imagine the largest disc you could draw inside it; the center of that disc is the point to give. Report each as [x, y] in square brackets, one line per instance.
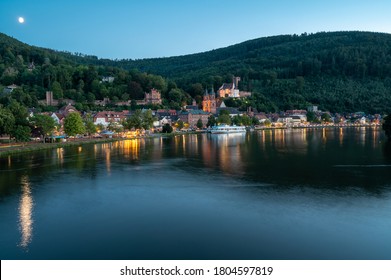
[281, 194]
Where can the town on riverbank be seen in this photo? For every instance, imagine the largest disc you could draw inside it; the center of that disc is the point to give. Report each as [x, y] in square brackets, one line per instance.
[109, 126]
[29, 129]
[63, 119]
[57, 97]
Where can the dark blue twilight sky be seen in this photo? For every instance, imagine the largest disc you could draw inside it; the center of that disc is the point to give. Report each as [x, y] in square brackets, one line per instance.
[151, 28]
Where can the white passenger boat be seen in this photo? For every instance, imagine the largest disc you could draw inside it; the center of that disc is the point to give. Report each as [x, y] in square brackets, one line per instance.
[224, 128]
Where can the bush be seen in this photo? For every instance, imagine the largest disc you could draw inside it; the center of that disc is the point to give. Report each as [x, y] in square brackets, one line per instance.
[167, 128]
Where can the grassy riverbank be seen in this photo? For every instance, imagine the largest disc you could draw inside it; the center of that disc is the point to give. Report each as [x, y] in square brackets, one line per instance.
[17, 148]
[7, 149]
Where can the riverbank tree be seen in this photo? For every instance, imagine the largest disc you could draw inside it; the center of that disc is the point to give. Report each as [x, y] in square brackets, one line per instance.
[43, 125]
[167, 128]
[140, 119]
[7, 121]
[73, 124]
[224, 117]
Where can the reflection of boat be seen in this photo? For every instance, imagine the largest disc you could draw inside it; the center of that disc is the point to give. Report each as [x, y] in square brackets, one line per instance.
[228, 139]
[224, 128]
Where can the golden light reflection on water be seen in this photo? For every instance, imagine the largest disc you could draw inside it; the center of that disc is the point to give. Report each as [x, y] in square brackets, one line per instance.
[375, 137]
[131, 149]
[107, 151]
[340, 136]
[285, 140]
[25, 213]
[363, 132]
[324, 135]
[184, 144]
[60, 155]
[229, 152]
[196, 145]
[227, 149]
[263, 136]
[176, 141]
[304, 135]
[279, 137]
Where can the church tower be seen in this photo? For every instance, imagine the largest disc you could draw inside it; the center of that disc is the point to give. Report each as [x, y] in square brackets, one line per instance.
[209, 101]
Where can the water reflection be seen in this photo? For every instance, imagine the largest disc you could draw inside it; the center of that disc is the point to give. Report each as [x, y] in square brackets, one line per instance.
[284, 177]
[363, 132]
[107, 154]
[283, 140]
[60, 155]
[375, 138]
[226, 151]
[131, 149]
[279, 137]
[341, 130]
[25, 213]
[224, 140]
[307, 156]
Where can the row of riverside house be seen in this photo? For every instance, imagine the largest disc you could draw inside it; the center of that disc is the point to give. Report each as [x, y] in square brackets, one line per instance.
[212, 104]
[191, 114]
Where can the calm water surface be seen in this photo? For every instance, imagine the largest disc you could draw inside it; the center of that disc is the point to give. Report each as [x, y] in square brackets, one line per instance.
[298, 194]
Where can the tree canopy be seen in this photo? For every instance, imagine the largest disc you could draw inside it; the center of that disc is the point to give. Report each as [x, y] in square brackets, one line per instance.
[140, 119]
[7, 121]
[73, 124]
[167, 128]
[44, 124]
[199, 124]
[224, 117]
[339, 71]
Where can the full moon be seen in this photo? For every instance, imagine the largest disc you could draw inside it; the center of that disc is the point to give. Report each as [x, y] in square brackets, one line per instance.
[21, 20]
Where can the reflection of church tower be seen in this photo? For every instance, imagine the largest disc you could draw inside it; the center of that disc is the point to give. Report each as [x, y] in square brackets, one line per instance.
[209, 101]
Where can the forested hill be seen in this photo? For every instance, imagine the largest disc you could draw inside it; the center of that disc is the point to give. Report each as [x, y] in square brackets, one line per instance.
[11, 47]
[338, 71]
[354, 54]
[82, 78]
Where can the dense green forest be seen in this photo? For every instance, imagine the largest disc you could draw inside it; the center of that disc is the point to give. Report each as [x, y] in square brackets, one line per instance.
[74, 76]
[338, 71]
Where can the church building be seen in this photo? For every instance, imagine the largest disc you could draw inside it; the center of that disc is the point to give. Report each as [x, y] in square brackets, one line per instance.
[209, 102]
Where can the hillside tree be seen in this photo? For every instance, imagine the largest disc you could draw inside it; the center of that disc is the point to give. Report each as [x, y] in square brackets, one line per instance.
[7, 121]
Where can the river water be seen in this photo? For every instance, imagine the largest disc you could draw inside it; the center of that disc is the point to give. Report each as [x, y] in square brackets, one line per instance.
[280, 194]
